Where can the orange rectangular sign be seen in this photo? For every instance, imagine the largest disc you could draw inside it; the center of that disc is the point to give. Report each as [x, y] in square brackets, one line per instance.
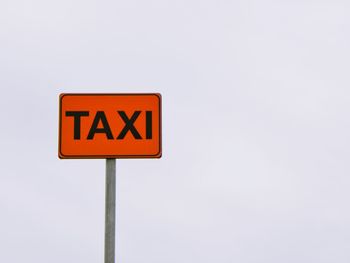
[110, 126]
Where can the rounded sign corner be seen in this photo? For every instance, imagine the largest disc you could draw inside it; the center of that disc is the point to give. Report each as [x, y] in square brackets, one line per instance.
[159, 95]
[62, 95]
[159, 155]
[61, 156]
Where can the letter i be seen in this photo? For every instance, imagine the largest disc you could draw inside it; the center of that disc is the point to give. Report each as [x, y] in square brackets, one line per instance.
[148, 124]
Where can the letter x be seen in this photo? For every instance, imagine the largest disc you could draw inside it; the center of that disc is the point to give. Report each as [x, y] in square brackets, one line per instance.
[129, 125]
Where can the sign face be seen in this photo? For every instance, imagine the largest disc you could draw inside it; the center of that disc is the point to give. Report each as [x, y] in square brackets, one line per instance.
[110, 126]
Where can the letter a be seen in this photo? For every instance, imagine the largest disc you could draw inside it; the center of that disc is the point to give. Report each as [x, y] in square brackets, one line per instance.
[100, 116]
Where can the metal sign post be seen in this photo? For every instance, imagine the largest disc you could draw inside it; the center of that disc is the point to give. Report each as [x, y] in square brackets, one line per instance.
[110, 211]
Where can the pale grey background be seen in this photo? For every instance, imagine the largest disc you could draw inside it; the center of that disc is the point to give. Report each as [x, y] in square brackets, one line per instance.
[256, 130]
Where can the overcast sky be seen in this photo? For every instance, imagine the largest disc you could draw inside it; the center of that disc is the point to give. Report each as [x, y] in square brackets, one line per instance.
[255, 165]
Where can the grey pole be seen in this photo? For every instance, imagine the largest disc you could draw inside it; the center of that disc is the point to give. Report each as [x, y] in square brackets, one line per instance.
[110, 211]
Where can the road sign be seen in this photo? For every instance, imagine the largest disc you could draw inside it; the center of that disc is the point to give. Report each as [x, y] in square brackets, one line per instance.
[110, 126]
